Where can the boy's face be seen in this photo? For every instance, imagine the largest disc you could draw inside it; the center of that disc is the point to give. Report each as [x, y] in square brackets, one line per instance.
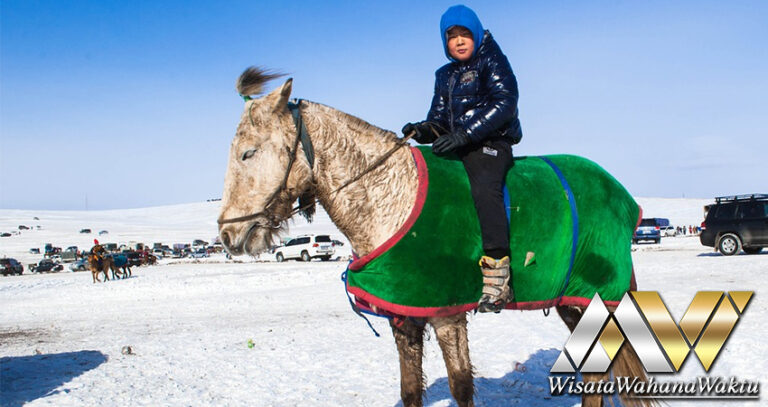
[460, 43]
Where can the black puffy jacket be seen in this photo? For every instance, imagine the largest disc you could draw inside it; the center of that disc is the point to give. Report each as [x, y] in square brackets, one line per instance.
[478, 96]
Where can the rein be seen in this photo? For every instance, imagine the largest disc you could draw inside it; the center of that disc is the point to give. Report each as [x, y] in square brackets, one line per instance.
[302, 135]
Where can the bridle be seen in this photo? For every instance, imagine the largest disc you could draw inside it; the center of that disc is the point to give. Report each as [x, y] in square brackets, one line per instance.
[302, 136]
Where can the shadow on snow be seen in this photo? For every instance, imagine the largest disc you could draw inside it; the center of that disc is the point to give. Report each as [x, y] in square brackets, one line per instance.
[27, 378]
[526, 385]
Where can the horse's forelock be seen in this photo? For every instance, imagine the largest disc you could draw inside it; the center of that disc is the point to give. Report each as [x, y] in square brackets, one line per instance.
[252, 80]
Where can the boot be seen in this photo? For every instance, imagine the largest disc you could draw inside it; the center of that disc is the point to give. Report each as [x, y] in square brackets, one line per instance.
[496, 291]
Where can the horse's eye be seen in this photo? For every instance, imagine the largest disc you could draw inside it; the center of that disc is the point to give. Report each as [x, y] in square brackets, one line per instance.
[248, 154]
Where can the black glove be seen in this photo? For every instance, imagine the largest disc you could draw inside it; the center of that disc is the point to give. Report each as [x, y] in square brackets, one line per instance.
[424, 131]
[449, 142]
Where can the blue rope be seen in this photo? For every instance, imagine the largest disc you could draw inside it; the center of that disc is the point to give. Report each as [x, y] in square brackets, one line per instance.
[361, 313]
[574, 216]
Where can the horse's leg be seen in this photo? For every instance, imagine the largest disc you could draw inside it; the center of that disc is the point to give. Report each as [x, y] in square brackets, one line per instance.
[409, 337]
[625, 363]
[571, 317]
[451, 334]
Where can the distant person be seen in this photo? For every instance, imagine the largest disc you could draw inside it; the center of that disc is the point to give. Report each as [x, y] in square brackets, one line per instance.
[474, 116]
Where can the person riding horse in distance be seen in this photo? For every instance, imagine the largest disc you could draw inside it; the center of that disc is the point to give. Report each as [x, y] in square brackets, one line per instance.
[98, 252]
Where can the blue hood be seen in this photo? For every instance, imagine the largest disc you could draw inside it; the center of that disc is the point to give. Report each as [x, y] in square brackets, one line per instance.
[465, 17]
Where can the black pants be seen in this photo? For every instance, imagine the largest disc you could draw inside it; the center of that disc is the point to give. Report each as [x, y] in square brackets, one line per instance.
[487, 164]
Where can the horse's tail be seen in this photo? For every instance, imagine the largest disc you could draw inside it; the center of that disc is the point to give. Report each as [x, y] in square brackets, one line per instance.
[627, 364]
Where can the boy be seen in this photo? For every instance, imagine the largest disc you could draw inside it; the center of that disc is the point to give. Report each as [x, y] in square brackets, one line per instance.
[474, 111]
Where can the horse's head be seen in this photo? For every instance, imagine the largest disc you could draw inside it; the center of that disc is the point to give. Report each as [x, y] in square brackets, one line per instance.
[264, 175]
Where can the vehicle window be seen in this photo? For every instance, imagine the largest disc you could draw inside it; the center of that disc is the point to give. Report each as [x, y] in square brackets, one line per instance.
[648, 222]
[323, 238]
[303, 240]
[752, 210]
[291, 242]
[727, 211]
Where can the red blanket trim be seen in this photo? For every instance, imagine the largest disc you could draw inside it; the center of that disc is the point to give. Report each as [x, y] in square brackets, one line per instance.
[379, 305]
[632, 281]
[374, 304]
[421, 196]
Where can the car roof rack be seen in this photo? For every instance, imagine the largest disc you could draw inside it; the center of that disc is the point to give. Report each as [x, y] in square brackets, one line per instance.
[746, 197]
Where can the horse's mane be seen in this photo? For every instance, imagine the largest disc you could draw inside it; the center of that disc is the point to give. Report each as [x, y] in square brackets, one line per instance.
[252, 80]
[359, 123]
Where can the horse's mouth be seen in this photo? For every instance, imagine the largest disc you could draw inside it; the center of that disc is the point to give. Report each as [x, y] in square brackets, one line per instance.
[253, 241]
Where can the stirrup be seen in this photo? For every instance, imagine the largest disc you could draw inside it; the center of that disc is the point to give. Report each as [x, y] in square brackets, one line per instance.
[496, 291]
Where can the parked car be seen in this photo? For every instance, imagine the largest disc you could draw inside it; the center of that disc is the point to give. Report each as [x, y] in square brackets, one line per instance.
[80, 265]
[5, 234]
[10, 266]
[650, 229]
[103, 232]
[34, 250]
[85, 230]
[23, 227]
[200, 253]
[47, 266]
[734, 223]
[668, 231]
[50, 250]
[306, 248]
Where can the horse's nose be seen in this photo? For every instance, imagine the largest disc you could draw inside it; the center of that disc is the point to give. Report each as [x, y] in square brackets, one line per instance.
[228, 237]
[226, 240]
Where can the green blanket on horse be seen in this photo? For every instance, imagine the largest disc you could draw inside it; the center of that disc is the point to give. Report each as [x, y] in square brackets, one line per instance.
[571, 226]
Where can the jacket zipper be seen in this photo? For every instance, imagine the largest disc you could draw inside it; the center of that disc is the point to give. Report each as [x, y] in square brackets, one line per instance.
[451, 84]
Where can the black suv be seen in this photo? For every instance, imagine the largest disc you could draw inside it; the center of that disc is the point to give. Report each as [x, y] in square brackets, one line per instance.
[10, 266]
[736, 223]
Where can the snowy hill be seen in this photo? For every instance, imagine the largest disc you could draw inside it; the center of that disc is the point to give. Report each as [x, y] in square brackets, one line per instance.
[166, 224]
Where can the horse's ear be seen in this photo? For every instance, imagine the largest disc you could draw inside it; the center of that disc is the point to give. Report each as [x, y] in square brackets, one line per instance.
[282, 95]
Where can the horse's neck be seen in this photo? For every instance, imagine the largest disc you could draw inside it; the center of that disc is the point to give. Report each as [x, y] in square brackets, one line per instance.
[370, 210]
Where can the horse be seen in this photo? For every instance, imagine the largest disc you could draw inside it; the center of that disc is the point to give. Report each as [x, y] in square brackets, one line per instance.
[149, 260]
[120, 267]
[366, 180]
[96, 268]
[118, 264]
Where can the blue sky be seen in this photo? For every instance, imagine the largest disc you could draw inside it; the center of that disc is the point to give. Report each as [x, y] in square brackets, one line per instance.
[125, 104]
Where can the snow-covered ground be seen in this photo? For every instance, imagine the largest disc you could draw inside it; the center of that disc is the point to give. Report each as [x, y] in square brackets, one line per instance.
[189, 324]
